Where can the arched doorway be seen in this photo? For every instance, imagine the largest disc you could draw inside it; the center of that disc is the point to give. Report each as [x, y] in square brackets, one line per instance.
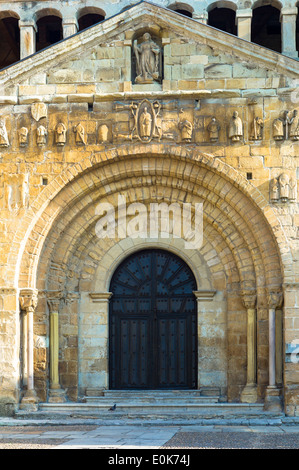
[153, 323]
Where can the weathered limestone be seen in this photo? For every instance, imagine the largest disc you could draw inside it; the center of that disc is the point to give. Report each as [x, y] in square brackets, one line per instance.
[28, 303]
[28, 31]
[288, 26]
[249, 394]
[243, 18]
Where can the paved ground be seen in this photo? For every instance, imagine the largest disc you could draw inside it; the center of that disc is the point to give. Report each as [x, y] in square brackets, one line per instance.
[148, 437]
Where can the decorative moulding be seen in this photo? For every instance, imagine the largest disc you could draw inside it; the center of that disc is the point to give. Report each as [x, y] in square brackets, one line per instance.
[204, 295]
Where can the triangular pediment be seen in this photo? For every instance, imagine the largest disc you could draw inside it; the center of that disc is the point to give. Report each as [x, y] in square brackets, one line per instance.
[208, 53]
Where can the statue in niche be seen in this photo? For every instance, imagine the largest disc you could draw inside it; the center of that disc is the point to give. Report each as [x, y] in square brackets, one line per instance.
[148, 57]
[60, 134]
[274, 190]
[278, 132]
[41, 136]
[213, 129]
[294, 126]
[235, 127]
[186, 129]
[257, 129]
[4, 142]
[284, 187]
[23, 136]
[80, 134]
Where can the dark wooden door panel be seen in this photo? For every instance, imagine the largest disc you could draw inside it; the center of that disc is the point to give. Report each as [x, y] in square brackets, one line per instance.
[153, 323]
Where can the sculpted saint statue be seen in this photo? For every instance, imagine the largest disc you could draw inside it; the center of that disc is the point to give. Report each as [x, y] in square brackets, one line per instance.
[60, 134]
[80, 134]
[41, 135]
[147, 56]
[235, 127]
[294, 126]
[278, 132]
[3, 135]
[23, 136]
[257, 128]
[284, 187]
[145, 124]
[213, 129]
[274, 190]
[186, 129]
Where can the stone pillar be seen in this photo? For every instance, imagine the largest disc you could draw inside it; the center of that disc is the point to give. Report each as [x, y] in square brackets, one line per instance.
[201, 17]
[249, 394]
[56, 393]
[28, 303]
[69, 27]
[288, 17]
[243, 20]
[273, 399]
[28, 31]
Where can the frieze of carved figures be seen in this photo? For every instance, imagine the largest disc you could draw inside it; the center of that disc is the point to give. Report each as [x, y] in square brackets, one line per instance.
[4, 142]
[283, 189]
[80, 134]
[235, 131]
[213, 129]
[147, 60]
[286, 127]
[60, 134]
[257, 129]
[41, 137]
[23, 136]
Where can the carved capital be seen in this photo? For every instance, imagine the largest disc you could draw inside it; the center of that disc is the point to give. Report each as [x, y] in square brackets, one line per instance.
[249, 299]
[53, 299]
[28, 299]
[275, 298]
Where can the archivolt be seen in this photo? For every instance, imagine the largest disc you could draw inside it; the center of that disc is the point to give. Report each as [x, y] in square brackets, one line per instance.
[60, 223]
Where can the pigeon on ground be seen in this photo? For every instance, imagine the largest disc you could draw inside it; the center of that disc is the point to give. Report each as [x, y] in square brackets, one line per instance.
[112, 407]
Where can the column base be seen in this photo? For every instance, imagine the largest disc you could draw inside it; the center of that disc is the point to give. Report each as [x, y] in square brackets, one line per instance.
[249, 394]
[273, 399]
[56, 395]
[29, 401]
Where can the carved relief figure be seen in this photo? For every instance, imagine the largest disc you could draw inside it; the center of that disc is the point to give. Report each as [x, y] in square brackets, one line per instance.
[41, 136]
[278, 133]
[23, 136]
[103, 133]
[60, 134]
[186, 129]
[17, 192]
[284, 187]
[213, 129]
[4, 142]
[257, 129]
[147, 57]
[294, 126]
[274, 190]
[145, 124]
[80, 134]
[235, 127]
[292, 189]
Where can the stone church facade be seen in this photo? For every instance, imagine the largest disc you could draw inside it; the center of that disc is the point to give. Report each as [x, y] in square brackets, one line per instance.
[154, 109]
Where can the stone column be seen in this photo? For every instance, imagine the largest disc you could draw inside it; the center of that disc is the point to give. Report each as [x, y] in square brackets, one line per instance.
[28, 303]
[201, 17]
[28, 31]
[69, 27]
[249, 394]
[272, 398]
[56, 393]
[243, 20]
[288, 17]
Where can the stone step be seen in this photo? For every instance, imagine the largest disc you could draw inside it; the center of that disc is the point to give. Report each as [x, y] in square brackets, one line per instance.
[147, 400]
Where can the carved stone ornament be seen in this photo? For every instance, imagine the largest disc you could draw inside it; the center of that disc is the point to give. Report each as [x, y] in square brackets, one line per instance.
[80, 134]
[38, 111]
[103, 133]
[283, 189]
[275, 298]
[274, 190]
[41, 138]
[148, 59]
[235, 127]
[4, 142]
[278, 132]
[28, 299]
[60, 134]
[249, 299]
[294, 126]
[16, 192]
[213, 129]
[23, 136]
